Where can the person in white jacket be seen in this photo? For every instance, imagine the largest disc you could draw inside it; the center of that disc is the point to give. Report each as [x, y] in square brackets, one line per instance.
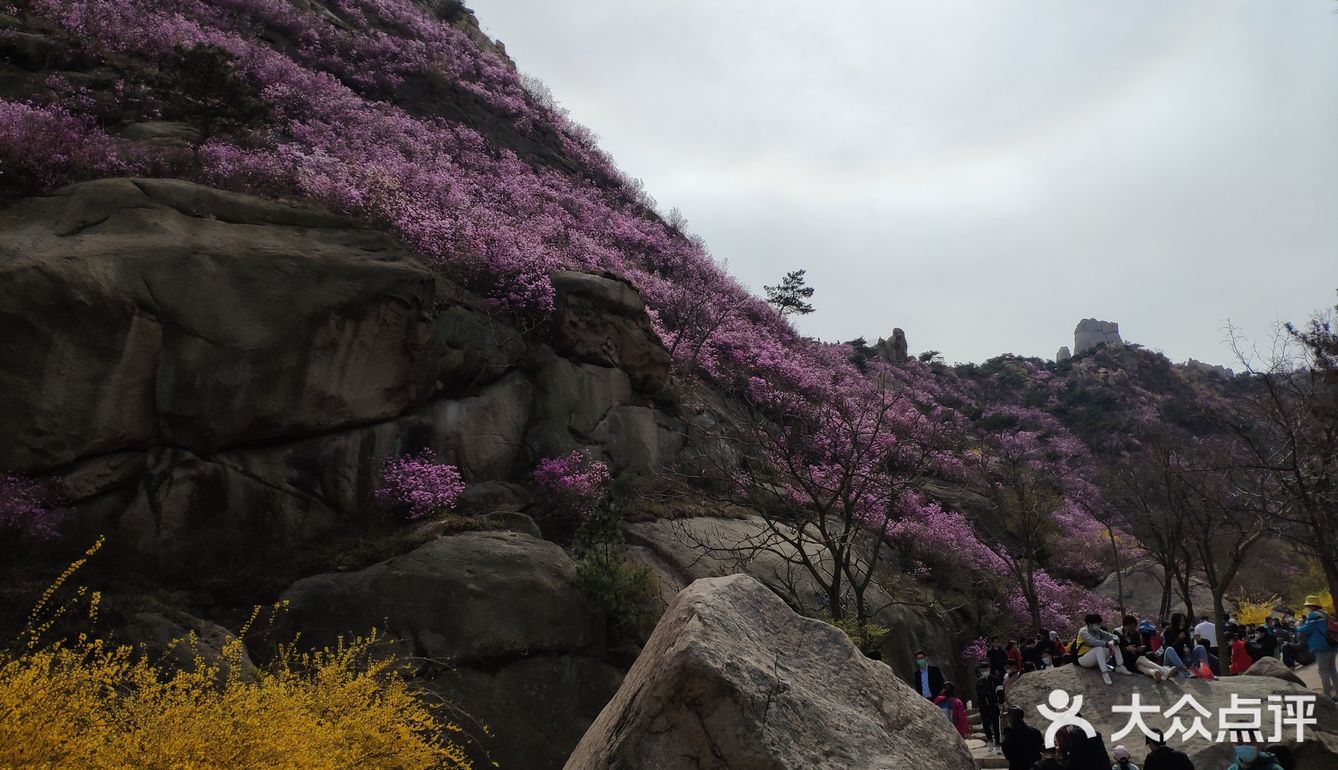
[1099, 648]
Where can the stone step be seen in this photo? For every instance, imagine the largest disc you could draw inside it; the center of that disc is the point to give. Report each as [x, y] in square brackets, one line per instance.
[991, 761]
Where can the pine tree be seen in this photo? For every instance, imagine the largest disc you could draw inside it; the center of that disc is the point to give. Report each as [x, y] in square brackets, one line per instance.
[790, 295]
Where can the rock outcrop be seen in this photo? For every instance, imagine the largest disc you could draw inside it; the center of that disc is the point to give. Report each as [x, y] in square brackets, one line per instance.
[1063, 354]
[733, 679]
[214, 376]
[1319, 750]
[1211, 370]
[680, 551]
[1091, 333]
[893, 349]
[1143, 585]
[494, 622]
[1269, 666]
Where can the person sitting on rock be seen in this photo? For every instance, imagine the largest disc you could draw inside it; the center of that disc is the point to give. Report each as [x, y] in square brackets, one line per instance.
[1133, 649]
[927, 679]
[1021, 742]
[1122, 759]
[1100, 649]
[954, 709]
[1163, 757]
[1262, 644]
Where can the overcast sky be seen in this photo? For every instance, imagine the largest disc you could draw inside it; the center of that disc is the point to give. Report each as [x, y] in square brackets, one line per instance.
[982, 174]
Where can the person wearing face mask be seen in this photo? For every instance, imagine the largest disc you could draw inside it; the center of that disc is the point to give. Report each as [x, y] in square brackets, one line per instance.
[926, 679]
[989, 686]
[1100, 649]
[1122, 759]
[1250, 757]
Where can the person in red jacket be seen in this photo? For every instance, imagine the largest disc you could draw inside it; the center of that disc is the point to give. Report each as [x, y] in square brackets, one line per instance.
[1014, 654]
[954, 709]
[1240, 657]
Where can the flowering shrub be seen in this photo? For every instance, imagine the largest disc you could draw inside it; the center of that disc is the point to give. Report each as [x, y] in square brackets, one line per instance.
[419, 484]
[25, 507]
[1062, 605]
[41, 147]
[89, 704]
[976, 651]
[94, 705]
[572, 484]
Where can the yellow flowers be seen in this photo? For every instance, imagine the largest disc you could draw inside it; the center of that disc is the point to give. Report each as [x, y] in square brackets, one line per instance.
[92, 706]
[95, 706]
[1255, 613]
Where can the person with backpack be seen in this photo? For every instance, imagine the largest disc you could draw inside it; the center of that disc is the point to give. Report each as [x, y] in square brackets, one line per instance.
[1321, 638]
[989, 699]
[954, 709]
[1282, 755]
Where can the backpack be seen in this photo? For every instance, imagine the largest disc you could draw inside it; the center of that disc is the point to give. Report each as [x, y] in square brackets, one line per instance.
[1282, 755]
[1076, 649]
[1330, 632]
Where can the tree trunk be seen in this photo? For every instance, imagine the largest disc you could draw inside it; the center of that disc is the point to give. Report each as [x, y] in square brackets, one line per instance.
[1185, 583]
[1223, 648]
[1167, 588]
[1119, 574]
[1330, 564]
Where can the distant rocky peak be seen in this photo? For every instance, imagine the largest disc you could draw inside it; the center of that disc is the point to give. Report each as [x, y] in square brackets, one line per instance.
[1091, 334]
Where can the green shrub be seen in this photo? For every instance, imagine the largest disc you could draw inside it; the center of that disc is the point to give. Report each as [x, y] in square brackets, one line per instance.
[623, 591]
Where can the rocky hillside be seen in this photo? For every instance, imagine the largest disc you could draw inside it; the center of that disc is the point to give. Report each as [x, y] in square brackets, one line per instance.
[255, 252]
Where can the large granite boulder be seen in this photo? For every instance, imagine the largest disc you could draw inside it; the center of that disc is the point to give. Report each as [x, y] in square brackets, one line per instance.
[1142, 589]
[732, 679]
[1319, 751]
[1091, 334]
[894, 349]
[496, 625]
[679, 551]
[602, 320]
[1269, 666]
[179, 639]
[148, 311]
[473, 596]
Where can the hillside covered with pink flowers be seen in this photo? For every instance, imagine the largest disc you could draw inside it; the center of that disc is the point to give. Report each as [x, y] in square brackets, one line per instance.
[322, 303]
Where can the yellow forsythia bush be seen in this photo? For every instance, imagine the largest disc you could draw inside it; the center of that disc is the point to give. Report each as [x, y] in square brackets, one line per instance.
[94, 706]
[88, 705]
[1254, 613]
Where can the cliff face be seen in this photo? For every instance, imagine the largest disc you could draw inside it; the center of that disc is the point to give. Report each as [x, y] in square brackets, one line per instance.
[209, 371]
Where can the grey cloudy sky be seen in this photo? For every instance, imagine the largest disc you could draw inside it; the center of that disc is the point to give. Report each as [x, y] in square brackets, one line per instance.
[982, 174]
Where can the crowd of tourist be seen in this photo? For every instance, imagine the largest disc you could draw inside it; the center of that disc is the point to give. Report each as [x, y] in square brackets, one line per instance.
[1160, 650]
